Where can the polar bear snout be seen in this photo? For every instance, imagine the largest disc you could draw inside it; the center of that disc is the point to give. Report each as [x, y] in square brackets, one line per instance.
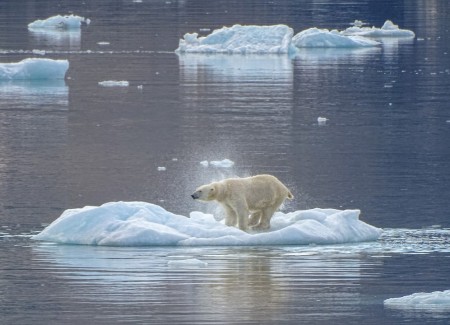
[195, 196]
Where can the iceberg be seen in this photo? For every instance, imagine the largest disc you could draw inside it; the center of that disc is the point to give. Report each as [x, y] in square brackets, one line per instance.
[146, 224]
[389, 29]
[34, 69]
[61, 23]
[314, 37]
[437, 300]
[239, 39]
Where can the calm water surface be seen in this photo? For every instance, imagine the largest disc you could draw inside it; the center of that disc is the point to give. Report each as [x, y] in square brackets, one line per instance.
[385, 150]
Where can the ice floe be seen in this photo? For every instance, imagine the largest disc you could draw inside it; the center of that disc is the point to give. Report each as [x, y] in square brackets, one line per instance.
[314, 37]
[280, 39]
[439, 300]
[239, 39]
[389, 29]
[34, 69]
[146, 224]
[62, 23]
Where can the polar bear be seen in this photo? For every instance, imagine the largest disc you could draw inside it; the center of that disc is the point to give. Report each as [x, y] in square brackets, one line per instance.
[258, 196]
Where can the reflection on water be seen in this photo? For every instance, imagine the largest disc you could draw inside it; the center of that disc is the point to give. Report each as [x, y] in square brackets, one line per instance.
[39, 95]
[56, 39]
[267, 282]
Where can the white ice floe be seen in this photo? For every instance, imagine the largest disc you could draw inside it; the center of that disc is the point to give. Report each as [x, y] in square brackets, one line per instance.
[389, 29]
[280, 39]
[114, 83]
[146, 224]
[314, 37]
[239, 39]
[34, 69]
[421, 301]
[62, 23]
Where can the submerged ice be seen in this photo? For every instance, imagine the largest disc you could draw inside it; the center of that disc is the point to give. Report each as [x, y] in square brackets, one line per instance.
[280, 39]
[34, 69]
[146, 224]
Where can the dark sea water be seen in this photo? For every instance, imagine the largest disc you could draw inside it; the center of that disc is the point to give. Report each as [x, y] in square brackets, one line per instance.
[385, 149]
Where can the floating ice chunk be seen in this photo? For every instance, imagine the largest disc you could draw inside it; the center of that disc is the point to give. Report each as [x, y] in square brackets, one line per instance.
[114, 83]
[103, 43]
[358, 23]
[434, 300]
[162, 168]
[239, 39]
[140, 223]
[34, 69]
[226, 163]
[59, 22]
[190, 262]
[314, 37]
[322, 120]
[38, 52]
[389, 29]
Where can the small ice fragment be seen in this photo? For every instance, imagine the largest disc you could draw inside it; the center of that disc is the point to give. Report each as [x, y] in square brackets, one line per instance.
[114, 83]
[140, 87]
[322, 120]
[103, 43]
[226, 163]
[174, 159]
[205, 29]
[39, 52]
[161, 168]
[204, 163]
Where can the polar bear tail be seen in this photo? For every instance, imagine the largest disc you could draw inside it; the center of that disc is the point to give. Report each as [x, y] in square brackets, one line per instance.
[290, 196]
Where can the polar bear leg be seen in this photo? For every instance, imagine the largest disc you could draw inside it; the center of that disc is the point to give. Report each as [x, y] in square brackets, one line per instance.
[255, 217]
[267, 214]
[242, 214]
[230, 216]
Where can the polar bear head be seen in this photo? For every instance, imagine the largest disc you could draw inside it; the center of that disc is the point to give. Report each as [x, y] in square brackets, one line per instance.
[205, 192]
